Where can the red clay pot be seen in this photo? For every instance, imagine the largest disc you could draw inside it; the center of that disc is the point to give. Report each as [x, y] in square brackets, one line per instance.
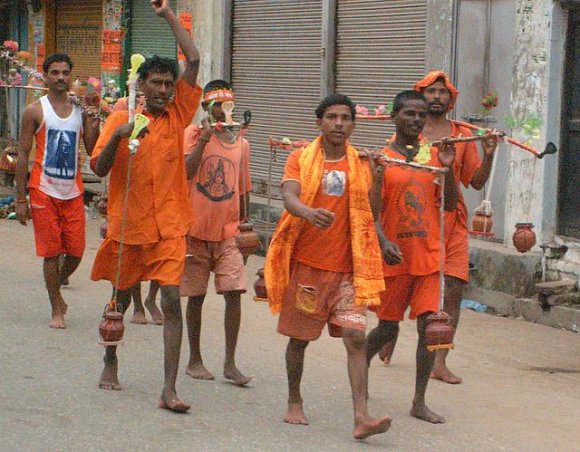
[481, 222]
[439, 330]
[260, 285]
[112, 328]
[247, 240]
[524, 238]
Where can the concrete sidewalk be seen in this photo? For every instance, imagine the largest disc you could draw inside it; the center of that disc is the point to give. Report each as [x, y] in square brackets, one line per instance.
[520, 390]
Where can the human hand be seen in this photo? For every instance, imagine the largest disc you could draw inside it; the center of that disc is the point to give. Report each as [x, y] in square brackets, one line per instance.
[92, 119]
[206, 129]
[446, 154]
[161, 7]
[125, 131]
[377, 169]
[321, 218]
[489, 143]
[391, 252]
[22, 212]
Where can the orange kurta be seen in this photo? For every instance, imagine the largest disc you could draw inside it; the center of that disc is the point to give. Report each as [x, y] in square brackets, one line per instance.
[158, 205]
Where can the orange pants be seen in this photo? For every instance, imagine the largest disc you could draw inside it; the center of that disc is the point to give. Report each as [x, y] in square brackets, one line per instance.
[402, 291]
[162, 262]
[59, 224]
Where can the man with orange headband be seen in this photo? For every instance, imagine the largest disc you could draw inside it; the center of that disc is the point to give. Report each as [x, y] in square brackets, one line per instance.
[152, 224]
[218, 170]
[468, 169]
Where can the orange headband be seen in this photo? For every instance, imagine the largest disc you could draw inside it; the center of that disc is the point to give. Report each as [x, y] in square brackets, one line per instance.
[431, 78]
[219, 95]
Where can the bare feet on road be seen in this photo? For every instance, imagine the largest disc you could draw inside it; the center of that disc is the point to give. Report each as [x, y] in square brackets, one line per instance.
[199, 372]
[369, 426]
[232, 373]
[295, 415]
[425, 414]
[109, 380]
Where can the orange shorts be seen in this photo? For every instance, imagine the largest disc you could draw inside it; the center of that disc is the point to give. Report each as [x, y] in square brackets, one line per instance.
[162, 262]
[316, 297]
[223, 258]
[59, 224]
[402, 291]
[456, 249]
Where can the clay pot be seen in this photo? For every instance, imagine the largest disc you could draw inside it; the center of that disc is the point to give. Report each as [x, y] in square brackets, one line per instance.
[481, 222]
[103, 230]
[247, 240]
[102, 206]
[524, 238]
[439, 331]
[260, 285]
[112, 328]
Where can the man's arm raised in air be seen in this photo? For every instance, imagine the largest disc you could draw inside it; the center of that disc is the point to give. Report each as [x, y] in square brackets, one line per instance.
[163, 9]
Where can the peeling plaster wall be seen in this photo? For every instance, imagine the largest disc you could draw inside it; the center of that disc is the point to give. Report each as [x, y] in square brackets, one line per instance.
[440, 36]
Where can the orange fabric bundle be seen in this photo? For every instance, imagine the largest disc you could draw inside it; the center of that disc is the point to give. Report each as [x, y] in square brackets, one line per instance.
[366, 255]
[431, 78]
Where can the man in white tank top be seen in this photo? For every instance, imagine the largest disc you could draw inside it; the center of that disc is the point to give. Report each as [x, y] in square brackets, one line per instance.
[56, 125]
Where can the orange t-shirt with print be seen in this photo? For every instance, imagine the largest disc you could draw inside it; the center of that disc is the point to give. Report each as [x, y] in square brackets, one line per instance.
[326, 249]
[410, 216]
[214, 192]
[158, 205]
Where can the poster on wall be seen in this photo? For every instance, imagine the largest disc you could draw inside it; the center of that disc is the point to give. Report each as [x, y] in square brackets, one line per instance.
[112, 56]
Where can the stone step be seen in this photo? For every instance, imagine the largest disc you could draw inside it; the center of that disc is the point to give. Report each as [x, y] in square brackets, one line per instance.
[556, 287]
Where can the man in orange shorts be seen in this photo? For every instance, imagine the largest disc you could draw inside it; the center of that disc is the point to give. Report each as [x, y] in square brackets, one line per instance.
[324, 264]
[218, 166]
[56, 186]
[158, 211]
[410, 219]
[469, 170]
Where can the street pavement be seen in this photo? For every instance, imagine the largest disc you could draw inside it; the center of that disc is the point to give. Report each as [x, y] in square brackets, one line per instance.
[521, 389]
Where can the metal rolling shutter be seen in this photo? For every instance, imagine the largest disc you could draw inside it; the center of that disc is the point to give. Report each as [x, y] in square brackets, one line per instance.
[150, 34]
[276, 62]
[380, 52]
[78, 33]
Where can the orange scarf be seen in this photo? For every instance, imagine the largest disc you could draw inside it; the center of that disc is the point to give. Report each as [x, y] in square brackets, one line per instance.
[366, 253]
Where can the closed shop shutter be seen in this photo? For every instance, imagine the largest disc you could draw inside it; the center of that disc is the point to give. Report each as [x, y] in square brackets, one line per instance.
[276, 63]
[380, 52]
[78, 33]
[150, 34]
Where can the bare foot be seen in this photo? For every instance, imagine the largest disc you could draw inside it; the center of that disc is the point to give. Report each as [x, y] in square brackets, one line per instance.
[386, 353]
[109, 380]
[199, 372]
[295, 415]
[173, 404]
[370, 426]
[232, 373]
[58, 313]
[425, 414]
[64, 282]
[139, 318]
[155, 312]
[444, 374]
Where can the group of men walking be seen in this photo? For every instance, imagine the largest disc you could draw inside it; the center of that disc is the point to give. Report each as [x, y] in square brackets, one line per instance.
[354, 234]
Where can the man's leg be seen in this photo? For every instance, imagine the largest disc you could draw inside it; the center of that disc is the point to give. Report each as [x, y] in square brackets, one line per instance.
[52, 280]
[67, 265]
[452, 303]
[386, 353]
[424, 360]
[172, 335]
[138, 309]
[384, 333]
[109, 378]
[294, 369]
[195, 367]
[156, 314]
[232, 320]
[364, 425]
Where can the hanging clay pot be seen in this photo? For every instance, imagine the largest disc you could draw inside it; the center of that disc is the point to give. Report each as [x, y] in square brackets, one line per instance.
[524, 238]
[481, 222]
[103, 230]
[111, 328]
[247, 240]
[439, 331]
[260, 286]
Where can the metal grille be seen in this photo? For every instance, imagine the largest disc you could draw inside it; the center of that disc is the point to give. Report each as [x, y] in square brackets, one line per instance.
[78, 34]
[380, 52]
[150, 34]
[276, 60]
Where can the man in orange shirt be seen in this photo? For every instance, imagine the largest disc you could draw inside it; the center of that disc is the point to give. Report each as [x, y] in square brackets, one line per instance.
[158, 213]
[468, 169]
[218, 167]
[410, 219]
[324, 263]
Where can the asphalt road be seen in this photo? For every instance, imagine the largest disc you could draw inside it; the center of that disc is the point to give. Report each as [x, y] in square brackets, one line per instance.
[521, 387]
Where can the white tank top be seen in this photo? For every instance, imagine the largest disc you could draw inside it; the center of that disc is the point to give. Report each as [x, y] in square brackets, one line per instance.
[60, 176]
